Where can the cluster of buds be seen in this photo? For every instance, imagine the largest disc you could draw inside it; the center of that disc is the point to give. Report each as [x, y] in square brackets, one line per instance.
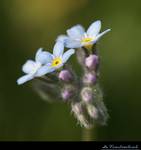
[57, 80]
[91, 98]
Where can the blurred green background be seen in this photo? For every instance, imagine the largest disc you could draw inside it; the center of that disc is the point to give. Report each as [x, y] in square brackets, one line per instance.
[26, 25]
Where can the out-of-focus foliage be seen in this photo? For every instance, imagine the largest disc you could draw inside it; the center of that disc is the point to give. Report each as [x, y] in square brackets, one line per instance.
[28, 25]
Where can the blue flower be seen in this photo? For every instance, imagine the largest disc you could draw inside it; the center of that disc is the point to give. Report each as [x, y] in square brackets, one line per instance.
[77, 37]
[58, 58]
[45, 62]
[35, 68]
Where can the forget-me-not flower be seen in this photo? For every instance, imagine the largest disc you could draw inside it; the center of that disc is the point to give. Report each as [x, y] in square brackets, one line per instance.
[45, 62]
[58, 58]
[77, 37]
[35, 68]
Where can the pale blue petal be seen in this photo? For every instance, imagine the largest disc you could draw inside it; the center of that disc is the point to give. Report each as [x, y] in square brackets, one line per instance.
[58, 49]
[58, 66]
[76, 32]
[43, 57]
[28, 66]
[38, 52]
[24, 79]
[94, 28]
[73, 43]
[62, 38]
[44, 70]
[101, 34]
[67, 55]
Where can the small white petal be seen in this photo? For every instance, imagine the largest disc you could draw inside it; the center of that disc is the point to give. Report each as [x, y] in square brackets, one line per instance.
[101, 34]
[38, 52]
[28, 66]
[44, 70]
[73, 43]
[59, 66]
[61, 38]
[24, 79]
[58, 49]
[43, 57]
[94, 28]
[67, 55]
[76, 32]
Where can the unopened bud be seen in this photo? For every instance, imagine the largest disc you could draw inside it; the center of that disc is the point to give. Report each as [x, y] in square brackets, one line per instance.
[92, 111]
[77, 108]
[65, 75]
[89, 78]
[67, 94]
[91, 61]
[87, 94]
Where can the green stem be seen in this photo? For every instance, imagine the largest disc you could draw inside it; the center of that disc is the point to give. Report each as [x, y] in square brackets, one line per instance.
[87, 134]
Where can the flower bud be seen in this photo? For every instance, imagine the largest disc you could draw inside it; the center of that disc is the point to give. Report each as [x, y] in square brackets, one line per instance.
[79, 111]
[92, 111]
[65, 75]
[91, 61]
[89, 78]
[87, 94]
[77, 108]
[67, 94]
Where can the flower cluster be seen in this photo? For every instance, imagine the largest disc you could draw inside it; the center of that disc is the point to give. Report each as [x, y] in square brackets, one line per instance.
[45, 62]
[57, 79]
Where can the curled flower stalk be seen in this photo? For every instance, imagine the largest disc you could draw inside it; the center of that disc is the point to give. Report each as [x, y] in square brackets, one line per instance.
[91, 103]
[52, 71]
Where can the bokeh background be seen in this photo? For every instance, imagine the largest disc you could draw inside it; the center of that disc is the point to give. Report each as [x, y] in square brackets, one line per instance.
[26, 25]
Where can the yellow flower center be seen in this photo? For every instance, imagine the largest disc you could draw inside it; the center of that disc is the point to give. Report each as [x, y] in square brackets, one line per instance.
[57, 61]
[86, 40]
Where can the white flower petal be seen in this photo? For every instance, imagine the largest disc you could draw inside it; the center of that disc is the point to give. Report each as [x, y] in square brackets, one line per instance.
[38, 52]
[44, 57]
[59, 66]
[44, 70]
[58, 49]
[101, 34]
[94, 28]
[62, 38]
[67, 55]
[76, 32]
[73, 43]
[24, 79]
[28, 66]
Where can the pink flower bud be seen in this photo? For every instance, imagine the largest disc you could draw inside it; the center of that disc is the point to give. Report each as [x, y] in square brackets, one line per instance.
[66, 94]
[89, 78]
[91, 61]
[65, 75]
[77, 108]
[87, 94]
[92, 111]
